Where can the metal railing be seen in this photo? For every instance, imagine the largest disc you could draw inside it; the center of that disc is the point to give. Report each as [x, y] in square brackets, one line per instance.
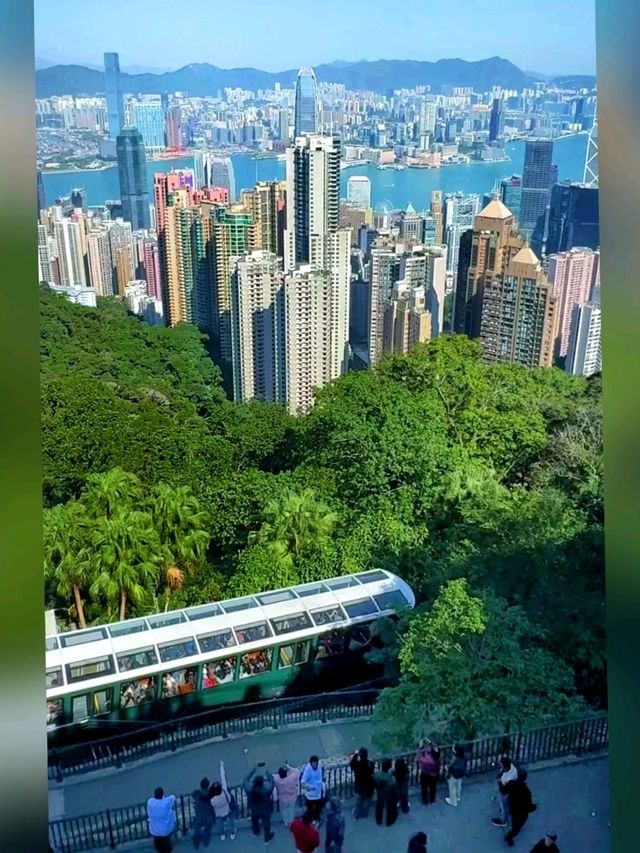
[114, 827]
[220, 722]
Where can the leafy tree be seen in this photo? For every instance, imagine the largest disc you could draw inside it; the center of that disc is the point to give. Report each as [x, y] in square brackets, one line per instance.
[68, 552]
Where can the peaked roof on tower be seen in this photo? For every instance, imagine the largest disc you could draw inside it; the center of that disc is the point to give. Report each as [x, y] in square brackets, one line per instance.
[526, 255]
[410, 209]
[495, 210]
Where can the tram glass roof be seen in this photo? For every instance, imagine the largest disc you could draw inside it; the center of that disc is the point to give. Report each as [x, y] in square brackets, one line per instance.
[260, 618]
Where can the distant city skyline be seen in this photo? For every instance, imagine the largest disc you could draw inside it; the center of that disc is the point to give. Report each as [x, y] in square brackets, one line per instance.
[65, 36]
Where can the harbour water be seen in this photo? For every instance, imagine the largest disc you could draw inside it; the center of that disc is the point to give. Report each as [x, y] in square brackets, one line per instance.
[394, 188]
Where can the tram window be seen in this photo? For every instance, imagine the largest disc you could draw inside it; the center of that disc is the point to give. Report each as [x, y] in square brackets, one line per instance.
[134, 693]
[174, 651]
[342, 583]
[390, 600]
[328, 615]
[289, 624]
[294, 654]
[330, 645]
[164, 619]
[137, 659]
[253, 633]
[126, 628]
[255, 663]
[87, 669]
[54, 677]
[213, 642]
[359, 636]
[101, 702]
[372, 576]
[77, 638]
[238, 604]
[275, 597]
[308, 589]
[51, 644]
[218, 672]
[54, 711]
[80, 708]
[203, 612]
[363, 607]
[177, 682]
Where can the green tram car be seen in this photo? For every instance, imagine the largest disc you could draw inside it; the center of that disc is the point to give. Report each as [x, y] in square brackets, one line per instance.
[297, 641]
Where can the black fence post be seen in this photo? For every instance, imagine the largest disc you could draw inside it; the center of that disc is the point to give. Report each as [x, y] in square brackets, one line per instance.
[112, 840]
[184, 821]
[173, 737]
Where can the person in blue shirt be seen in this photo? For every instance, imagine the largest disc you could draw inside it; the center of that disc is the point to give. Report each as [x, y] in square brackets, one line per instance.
[162, 820]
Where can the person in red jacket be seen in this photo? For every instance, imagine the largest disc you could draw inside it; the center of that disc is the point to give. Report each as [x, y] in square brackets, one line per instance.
[306, 836]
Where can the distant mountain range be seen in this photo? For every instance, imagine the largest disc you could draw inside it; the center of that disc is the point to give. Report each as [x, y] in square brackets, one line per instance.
[202, 79]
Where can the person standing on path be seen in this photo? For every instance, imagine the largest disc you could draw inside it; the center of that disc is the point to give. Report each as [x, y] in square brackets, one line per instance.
[456, 772]
[418, 843]
[520, 805]
[223, 807]
[428, 759]
[401, 772]
[259, 788]
[508, 773]
[305, 834]
[162, 820]
[363, 785]
[547, 844]
[204, 818]
[387, 799]
[312, 783]
[287, 785]
[334, 838]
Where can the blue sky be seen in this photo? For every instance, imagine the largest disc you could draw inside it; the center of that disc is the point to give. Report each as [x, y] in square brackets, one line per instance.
[547, 36]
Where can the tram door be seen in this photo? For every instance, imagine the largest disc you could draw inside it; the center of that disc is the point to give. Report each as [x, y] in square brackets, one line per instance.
[95, 704]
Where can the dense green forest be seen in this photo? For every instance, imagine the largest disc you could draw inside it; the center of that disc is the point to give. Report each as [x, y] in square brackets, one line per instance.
[480, 484]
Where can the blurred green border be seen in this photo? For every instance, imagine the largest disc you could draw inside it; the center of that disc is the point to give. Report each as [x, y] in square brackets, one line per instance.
[23, 773]
[618, 34]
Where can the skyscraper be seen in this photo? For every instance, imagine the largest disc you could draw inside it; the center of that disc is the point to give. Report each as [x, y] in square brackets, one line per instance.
[132, 176]
[411, 225]
[40, 192]
[438, 215]
[485, 251]
[262, 204]
[99, 263]
[148, 118]
[44, 260]
[460, 211]
[574, 218]
[173, 127]
[113, 90]
[313, 198]
[69, 248]
[519, 314]
[230, 230]
[79, 198]
[212, 171]
[257, 328]
[511, 195]
[306, 114]
[496, 121]
[584, 354]
[537, 180]
[359, 190]
[573, 276]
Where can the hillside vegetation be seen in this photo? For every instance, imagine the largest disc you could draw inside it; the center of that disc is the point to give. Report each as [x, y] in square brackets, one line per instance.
[480, 485]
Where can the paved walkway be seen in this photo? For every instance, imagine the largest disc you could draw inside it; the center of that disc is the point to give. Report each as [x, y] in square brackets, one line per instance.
[572, 799]
[181, 771]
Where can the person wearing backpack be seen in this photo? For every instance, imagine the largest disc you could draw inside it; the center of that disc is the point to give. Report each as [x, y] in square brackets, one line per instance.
[334, 838]
[387, 788]
[457, 772]
[224, 807]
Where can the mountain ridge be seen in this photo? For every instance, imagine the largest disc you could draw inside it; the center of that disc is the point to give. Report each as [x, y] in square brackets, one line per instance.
[203, 79]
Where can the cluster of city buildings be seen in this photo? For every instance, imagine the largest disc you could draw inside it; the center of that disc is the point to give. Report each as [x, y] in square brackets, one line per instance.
[414, 127]
[294, 285]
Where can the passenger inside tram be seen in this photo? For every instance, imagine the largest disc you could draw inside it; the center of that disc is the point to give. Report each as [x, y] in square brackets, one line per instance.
[137, 692]
[54, 711]
[254, 663]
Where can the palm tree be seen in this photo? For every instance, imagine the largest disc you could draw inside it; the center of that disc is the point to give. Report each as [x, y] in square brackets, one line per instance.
[297, 523]
[67, 551]
[104, 494]
[181, 528]
[125, 559]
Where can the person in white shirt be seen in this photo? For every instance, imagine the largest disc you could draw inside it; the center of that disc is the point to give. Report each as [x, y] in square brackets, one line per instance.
[508, 773]
[221, 802]
[162, 819]
[312, 783]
